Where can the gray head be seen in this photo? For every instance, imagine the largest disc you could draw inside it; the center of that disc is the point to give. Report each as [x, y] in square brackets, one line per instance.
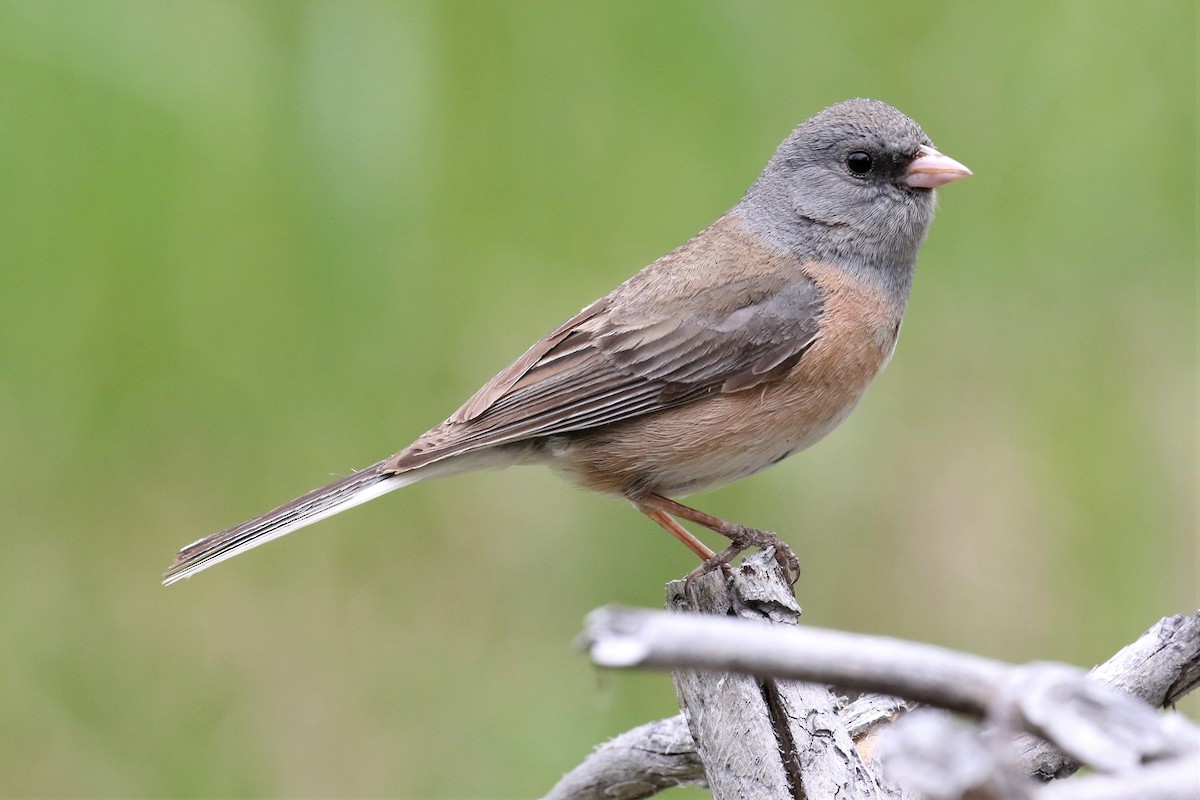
[855, 183]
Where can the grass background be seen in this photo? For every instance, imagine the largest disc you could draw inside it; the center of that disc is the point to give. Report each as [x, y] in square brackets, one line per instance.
[246, 246]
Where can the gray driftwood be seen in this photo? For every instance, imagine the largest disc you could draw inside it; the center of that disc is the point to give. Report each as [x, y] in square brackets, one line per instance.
[764, 737]
[638, 763]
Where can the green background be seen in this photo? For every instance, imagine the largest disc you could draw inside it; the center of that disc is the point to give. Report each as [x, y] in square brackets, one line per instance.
[246, 246]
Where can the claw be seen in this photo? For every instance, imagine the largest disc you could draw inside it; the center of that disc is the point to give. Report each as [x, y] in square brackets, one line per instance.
[715, 562]
[788, 562]
[747, 538]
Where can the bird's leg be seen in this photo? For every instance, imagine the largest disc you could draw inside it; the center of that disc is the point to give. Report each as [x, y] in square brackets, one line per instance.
[663, 510]
[679, 532]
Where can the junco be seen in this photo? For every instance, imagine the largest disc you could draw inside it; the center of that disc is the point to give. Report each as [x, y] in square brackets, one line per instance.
[746, 344]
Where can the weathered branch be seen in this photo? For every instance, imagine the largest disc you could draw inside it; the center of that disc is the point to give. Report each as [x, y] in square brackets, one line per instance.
[638, 763]
[763, 737]
[938, 756]
[1159, 668]
[662, 754]
[623, 638]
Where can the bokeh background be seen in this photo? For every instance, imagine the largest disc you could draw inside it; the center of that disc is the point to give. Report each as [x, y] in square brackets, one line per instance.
[247, 246]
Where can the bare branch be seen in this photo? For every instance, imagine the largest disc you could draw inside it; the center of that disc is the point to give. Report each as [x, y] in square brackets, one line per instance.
[622, 638]
[1160, 667]
[659, 755]
[763, 738]
[1050, 699]
[1168, 780]
[940, 757]
[638, 763]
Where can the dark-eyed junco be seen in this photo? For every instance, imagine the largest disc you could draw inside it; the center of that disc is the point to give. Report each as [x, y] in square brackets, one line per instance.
[746, 344]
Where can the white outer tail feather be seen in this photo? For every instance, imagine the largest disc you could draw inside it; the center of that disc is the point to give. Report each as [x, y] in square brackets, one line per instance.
[368, 492]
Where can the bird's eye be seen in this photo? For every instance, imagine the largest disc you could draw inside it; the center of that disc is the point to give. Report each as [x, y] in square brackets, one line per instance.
[859, 163]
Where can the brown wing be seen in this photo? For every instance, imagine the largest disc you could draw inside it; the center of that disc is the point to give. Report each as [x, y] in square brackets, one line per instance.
[608, 364]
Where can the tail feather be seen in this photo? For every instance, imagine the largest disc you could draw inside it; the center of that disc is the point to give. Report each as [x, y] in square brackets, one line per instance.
[350, 491]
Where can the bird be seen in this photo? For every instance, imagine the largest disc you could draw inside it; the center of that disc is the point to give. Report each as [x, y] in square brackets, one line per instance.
[744, 345]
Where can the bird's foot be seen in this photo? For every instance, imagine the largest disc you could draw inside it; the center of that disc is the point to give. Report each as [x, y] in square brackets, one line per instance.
[742, 538]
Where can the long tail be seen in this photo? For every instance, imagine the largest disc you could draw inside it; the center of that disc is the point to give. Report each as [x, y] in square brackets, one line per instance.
[318, 504]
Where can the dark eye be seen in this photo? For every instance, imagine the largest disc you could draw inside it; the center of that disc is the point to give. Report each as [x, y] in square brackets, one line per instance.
[860, 163]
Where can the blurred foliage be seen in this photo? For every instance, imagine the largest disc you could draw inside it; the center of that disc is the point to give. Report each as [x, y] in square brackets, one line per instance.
[249, 245]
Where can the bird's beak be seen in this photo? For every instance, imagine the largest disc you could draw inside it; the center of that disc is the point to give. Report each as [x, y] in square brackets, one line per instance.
[931, 169]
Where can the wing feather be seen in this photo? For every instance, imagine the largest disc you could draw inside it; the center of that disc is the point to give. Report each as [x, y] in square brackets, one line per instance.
[602, 367]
